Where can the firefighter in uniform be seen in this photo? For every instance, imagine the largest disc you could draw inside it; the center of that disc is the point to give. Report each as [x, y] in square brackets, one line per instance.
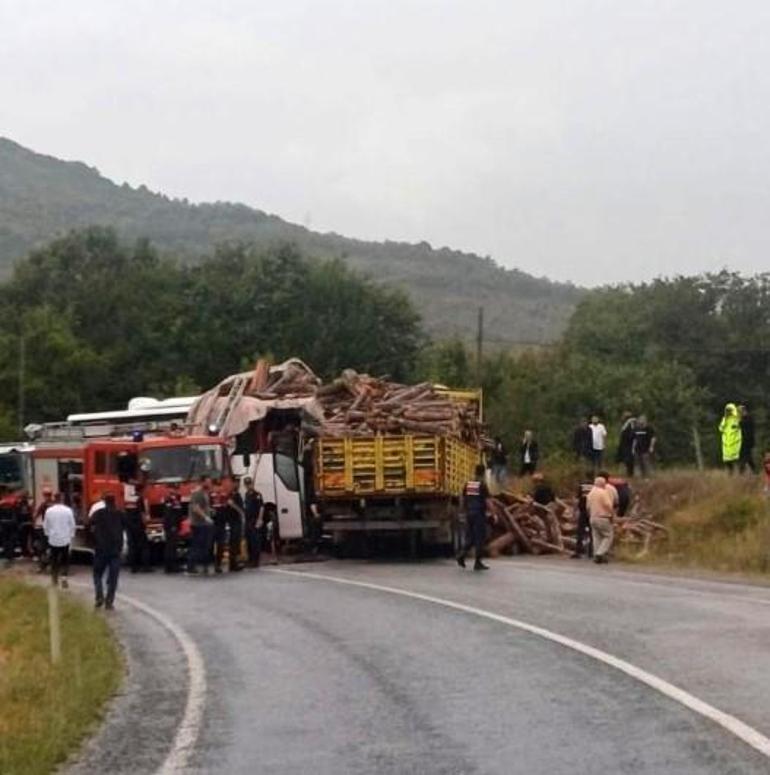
[235, 515]
[254, 513]
[136, 530]
[173, 515]
[475, 494]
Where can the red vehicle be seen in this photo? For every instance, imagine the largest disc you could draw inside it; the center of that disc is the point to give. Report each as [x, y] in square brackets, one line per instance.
[83, 470]
[119, 465]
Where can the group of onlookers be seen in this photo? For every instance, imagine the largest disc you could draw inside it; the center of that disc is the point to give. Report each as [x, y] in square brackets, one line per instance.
[636, 443]
[218, 522]
[636, 448]
[527, 458]
[44, 534]
[220, 518]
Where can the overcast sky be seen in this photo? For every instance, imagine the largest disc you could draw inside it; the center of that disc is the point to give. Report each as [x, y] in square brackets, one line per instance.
[586, 140]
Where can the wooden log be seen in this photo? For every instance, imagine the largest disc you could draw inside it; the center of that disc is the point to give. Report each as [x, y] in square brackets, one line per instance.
[547, 546]
[259, 377]
[431, 429]
[498, 545]
[554, 531]
[521, 536]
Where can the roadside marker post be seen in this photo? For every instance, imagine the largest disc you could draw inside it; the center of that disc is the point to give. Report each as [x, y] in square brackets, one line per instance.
[54, 624]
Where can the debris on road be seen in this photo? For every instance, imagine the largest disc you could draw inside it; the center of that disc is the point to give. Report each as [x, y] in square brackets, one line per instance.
[522, 526]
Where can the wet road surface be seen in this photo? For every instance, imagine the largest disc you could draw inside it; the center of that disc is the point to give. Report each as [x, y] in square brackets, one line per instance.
[306, 675]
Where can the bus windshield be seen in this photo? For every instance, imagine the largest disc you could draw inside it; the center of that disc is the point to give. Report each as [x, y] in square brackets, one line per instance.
[183, 463]
[11, 471]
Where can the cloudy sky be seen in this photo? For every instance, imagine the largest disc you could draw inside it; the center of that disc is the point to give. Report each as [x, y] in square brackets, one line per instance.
[585, 140]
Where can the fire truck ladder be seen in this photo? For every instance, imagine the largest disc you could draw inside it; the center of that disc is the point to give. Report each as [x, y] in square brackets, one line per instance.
[63, 431]
[237, 389]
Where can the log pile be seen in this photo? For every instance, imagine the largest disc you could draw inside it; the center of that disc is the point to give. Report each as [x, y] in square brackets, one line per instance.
[359, 405]
[519, 525]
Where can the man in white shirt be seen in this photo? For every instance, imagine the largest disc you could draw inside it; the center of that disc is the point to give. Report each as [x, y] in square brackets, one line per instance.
[59, 529]
[598, 442]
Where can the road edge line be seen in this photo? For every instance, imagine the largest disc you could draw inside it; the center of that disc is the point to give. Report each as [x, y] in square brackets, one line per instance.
[729, 723]
[188, 729]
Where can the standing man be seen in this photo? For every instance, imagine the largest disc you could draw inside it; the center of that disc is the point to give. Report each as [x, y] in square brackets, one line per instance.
[253, 508]
[235, 515]
[201, 528]
[644, 447]
[582, 441]
[39, 542]
[173, 515]
[601, 510]
[626, 442]
[499, 462]
[529, 454]
[315, 527]
[59, 528]
[8, 529]
[620, 491]
[583, 535]
[107, 528]
[475, 494]
[598, 442]
[136, 529]
[24, 524]
[732, 438]
[748, 440]
[218, 502]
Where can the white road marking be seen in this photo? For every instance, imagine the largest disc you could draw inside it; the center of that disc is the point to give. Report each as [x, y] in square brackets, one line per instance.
[186, 737]
[731, 724]
[661, 582]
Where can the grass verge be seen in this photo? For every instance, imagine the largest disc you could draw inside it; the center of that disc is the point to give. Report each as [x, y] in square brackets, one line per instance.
[46, 711]
[715, 522]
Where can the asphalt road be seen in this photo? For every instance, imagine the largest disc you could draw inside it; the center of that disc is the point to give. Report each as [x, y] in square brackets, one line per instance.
[305, 675]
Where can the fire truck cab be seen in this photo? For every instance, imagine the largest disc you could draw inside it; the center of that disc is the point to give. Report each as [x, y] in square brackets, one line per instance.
[83, 465]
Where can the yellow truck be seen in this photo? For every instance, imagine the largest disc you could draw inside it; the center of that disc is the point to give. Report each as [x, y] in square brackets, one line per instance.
[407, 484]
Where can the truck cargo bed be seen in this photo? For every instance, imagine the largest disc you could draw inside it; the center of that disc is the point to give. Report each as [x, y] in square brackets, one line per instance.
[387, 466]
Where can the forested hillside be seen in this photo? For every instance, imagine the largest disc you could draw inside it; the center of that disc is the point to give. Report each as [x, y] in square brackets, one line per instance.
[42, 198]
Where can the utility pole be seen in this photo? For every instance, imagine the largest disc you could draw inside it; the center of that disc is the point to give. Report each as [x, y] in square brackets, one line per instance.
[22, 380]
[697, 446]
[479, 345]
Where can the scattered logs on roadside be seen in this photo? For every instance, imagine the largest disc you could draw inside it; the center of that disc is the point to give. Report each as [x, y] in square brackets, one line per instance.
[521, 526]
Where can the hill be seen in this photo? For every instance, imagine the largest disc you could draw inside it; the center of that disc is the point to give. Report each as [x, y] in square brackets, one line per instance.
[42, 197]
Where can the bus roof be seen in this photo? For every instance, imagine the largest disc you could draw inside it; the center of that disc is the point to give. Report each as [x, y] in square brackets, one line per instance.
[139, 409]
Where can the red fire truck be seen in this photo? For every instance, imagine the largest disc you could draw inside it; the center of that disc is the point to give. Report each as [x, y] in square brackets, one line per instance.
[83, 465]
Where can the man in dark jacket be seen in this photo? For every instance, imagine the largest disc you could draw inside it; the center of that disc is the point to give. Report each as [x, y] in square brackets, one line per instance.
[136, 519]
[475, 494]
[498, 460]
[173, 516]
[107, 528]
[625, 452]
[542, 492]
[254, 514]
[235, 515]
[8, 529]
[746, 459]
[582, 441]
[583, 537]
